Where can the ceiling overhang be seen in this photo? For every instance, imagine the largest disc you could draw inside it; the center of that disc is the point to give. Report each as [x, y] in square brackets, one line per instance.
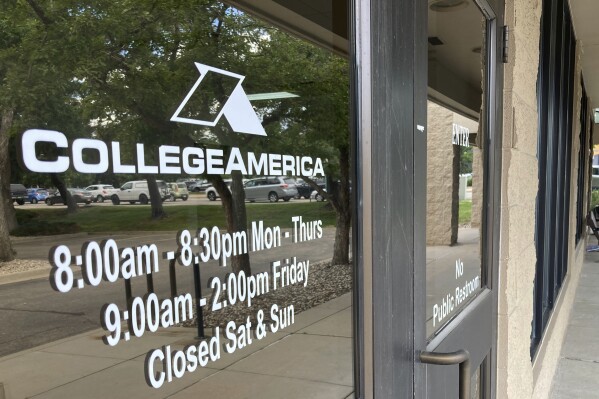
[325, 23]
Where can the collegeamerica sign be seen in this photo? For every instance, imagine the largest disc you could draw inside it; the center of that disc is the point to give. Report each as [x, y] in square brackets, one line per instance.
[173, 159]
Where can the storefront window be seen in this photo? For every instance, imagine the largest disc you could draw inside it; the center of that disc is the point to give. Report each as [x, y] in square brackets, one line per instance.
[194, 216]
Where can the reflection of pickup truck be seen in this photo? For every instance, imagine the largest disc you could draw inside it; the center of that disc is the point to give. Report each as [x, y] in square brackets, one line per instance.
[18, 193]
[595, 179]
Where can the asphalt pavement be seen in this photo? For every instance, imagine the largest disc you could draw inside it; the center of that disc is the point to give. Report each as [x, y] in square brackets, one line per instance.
[37, 314]
[194, 199]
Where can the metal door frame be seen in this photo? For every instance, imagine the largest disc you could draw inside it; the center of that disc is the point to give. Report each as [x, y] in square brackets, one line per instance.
[388, 56]
[387, 44]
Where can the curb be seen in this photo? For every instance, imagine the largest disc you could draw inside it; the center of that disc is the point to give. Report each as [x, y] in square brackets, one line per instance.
[24, 276]
[58, 236]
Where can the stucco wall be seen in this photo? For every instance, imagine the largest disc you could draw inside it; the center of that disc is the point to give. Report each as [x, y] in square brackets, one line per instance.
[519, 191]
[441, 177]
[443, 168]
[477, 187]
[517, 376]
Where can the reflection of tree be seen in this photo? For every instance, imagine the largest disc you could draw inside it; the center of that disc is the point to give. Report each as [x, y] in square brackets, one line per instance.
[233, 202]
[465, 159]
[317, 123]
[8, 218]
[36, 90]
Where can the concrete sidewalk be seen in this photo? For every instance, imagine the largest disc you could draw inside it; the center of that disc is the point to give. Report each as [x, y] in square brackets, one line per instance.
[312, 358]
[578, 367]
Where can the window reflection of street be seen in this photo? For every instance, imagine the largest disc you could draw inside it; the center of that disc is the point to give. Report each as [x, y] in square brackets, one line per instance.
[35, 296]
[128, 75]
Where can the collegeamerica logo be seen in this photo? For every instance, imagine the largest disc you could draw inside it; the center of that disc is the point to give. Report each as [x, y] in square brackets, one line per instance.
[170, 160]
[237, 108]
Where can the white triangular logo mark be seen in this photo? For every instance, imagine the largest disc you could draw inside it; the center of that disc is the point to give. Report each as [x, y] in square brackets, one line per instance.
[237, 110]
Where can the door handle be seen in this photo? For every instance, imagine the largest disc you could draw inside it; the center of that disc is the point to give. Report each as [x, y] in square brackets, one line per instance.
[461, 357]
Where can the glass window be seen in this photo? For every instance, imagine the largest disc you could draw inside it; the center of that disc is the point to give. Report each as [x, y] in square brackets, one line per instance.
[555, 103]
[157, 295]
[456, 148]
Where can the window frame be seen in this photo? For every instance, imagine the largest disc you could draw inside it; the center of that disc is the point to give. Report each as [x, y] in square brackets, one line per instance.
[555, 91]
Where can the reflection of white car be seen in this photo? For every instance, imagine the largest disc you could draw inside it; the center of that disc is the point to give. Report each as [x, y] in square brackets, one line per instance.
[212, 194]
[316, 196]
[101, 191]
[137, 191]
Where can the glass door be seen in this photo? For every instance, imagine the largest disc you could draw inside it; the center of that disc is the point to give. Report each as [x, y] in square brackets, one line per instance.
[461, 198]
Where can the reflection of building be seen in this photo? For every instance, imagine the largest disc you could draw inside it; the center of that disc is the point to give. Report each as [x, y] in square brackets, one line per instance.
[596, 154]
[443, 156]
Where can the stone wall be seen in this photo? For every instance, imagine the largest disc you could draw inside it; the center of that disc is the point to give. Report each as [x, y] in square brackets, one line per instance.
[517, 375]
[442, 178]
[477, 187]
[517, 258]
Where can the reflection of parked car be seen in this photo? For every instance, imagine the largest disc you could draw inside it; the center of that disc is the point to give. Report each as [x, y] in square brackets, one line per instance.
[35, 195]
[304, 189]
[211, 192]
[178, 190]
[198, 186]
[18, 193]
[270, 188]
[101, 191]
[78, 194]
[317, 196]
[595, 179]
[137, 191]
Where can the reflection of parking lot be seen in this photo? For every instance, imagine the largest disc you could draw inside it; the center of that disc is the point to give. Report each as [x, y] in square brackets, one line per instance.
[194, 199]
[61, 315]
